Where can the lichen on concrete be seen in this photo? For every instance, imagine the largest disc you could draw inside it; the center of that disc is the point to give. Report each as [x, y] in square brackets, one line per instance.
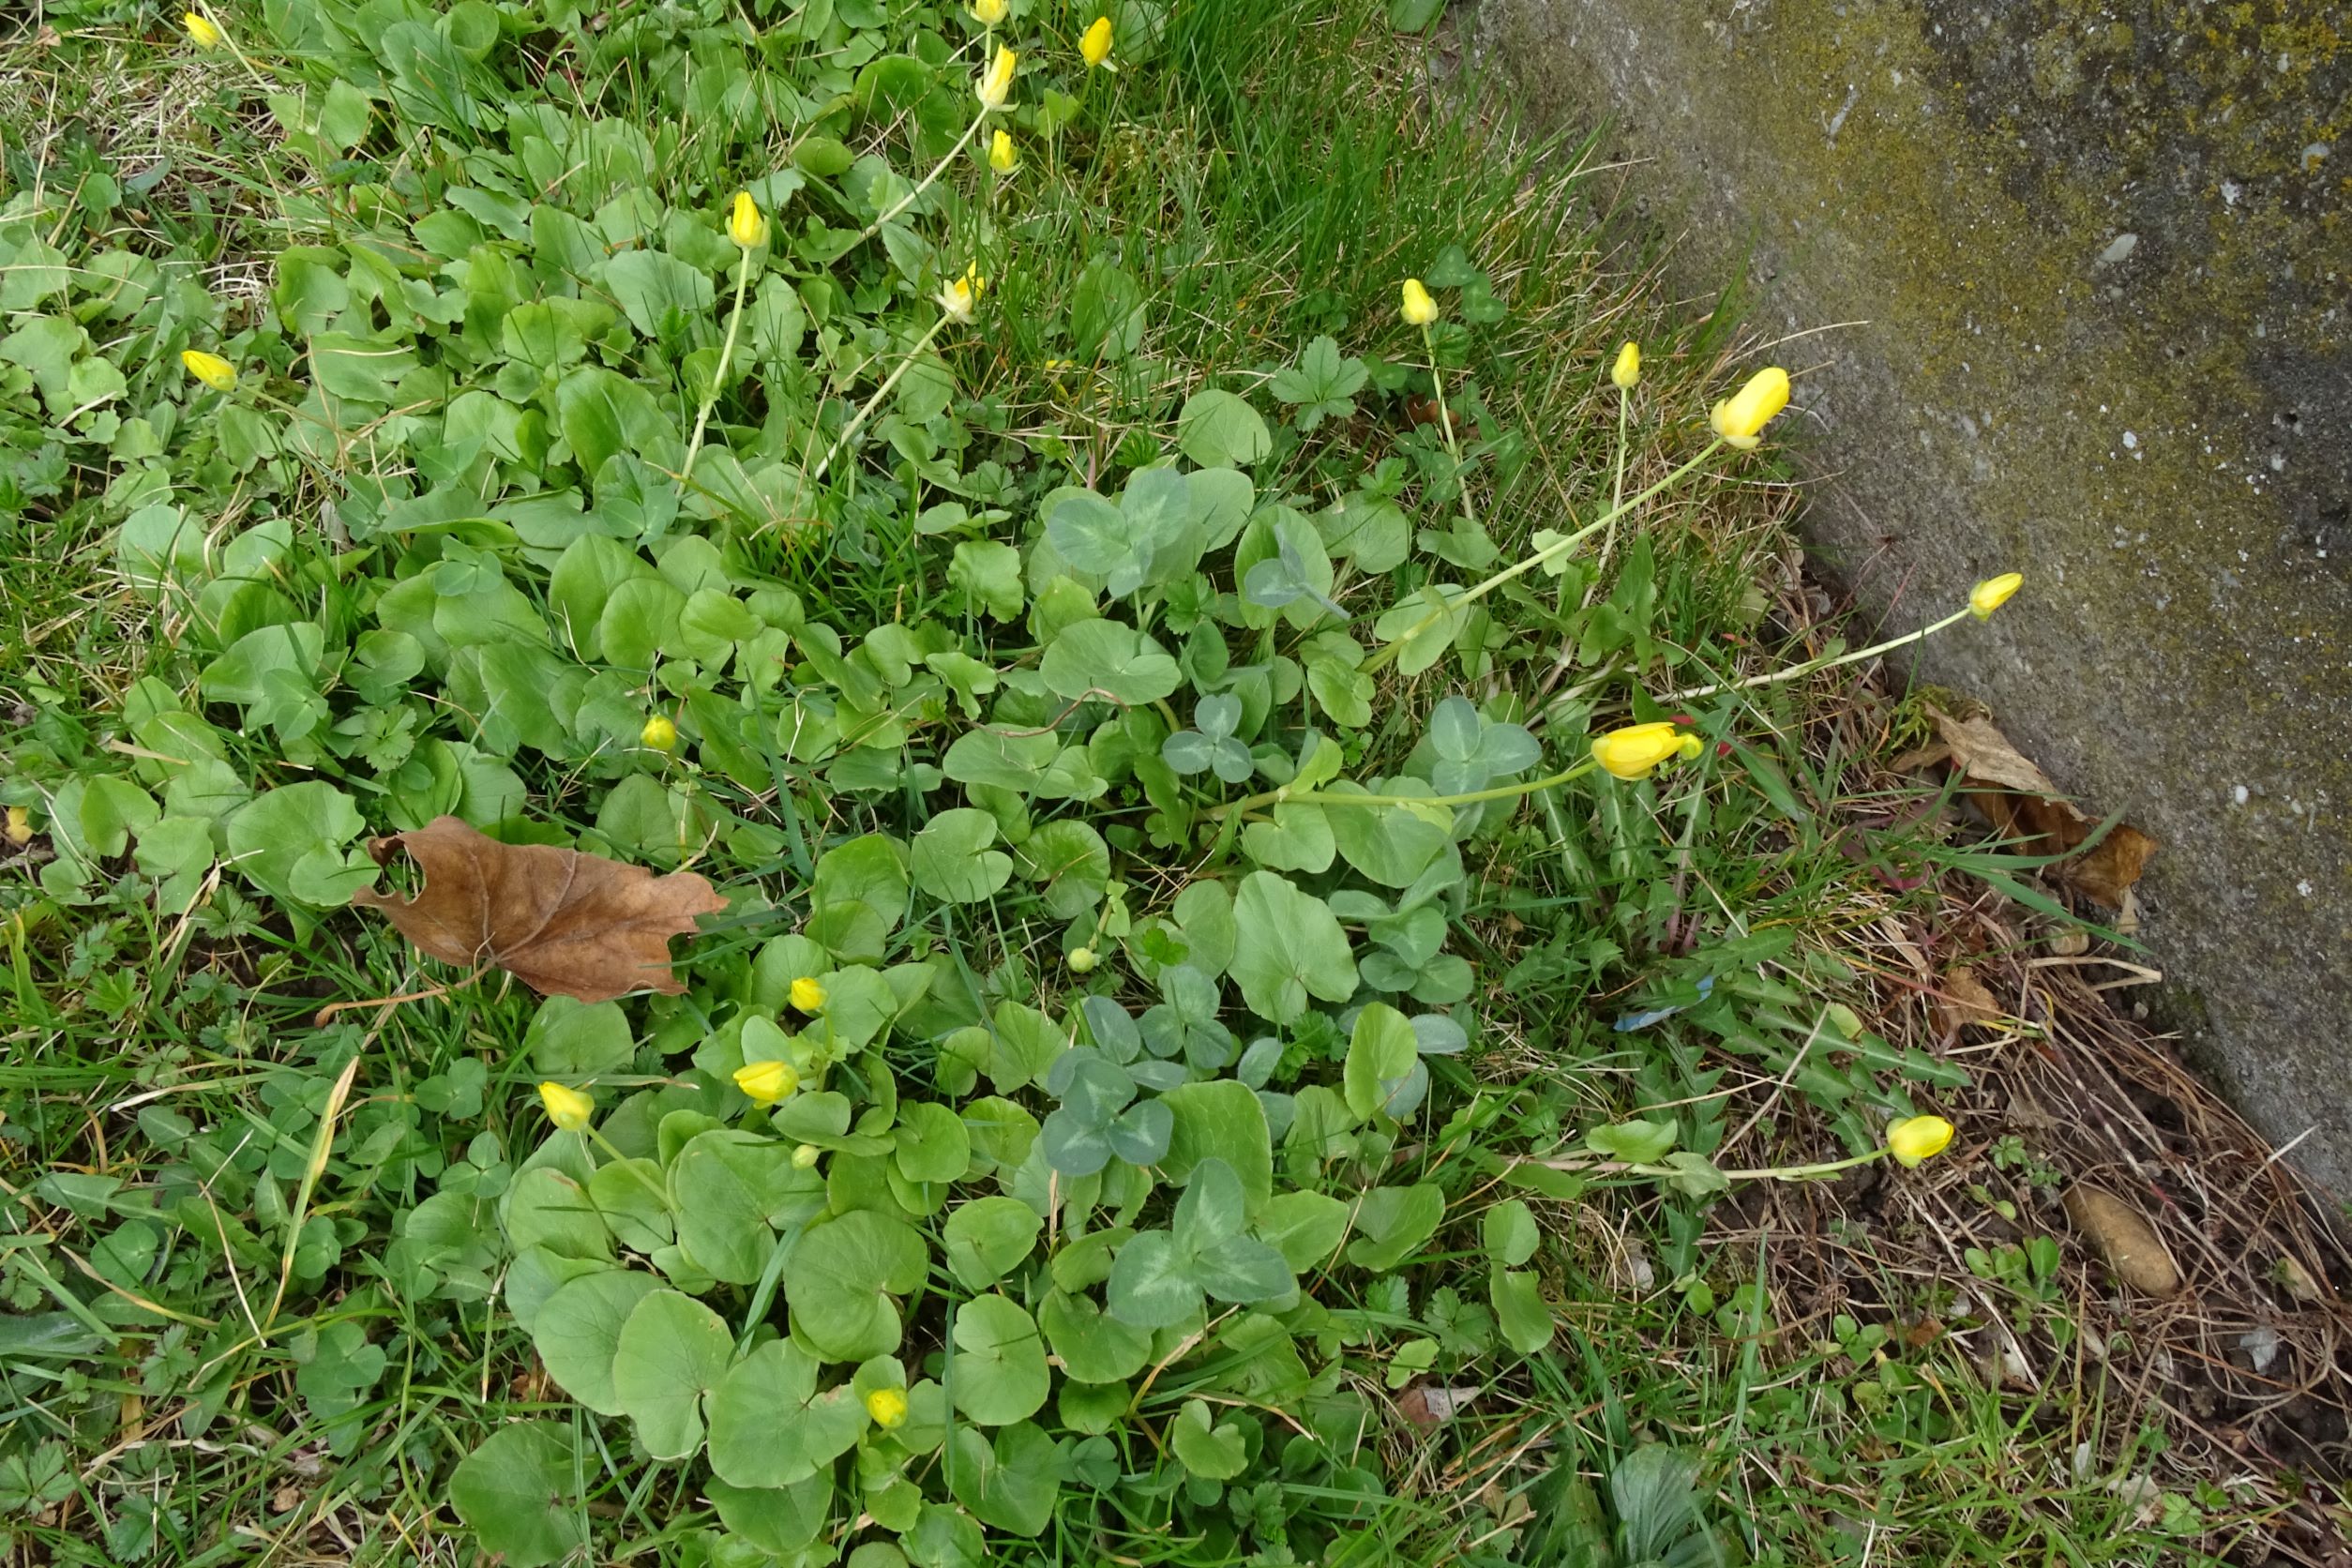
[2099, 256]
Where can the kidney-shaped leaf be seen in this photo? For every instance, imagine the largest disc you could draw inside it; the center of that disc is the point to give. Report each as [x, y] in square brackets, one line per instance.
[770, 1424]
[840, 1279]
[1290, 947]
[578, 1328]
[516, 1493]
[672, 1350]
[952, 859]
[999, 1372]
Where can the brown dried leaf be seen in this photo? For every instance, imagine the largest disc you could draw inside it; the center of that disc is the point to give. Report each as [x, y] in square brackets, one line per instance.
[2125, 1240]
[1983, 753]
[564, 922]
[2022, 803]
[1429, 1406]
[1963, 998]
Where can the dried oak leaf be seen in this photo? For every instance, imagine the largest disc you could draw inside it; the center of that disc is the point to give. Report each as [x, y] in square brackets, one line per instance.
[2022, 803]
[564, 922]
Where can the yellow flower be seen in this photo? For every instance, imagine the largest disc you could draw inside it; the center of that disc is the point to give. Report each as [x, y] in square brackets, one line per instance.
[568, 1108]
[1633, 751]
[958, 297]
[987, 12]
[210, 368]
[659, 733]
[1002, 158]
[1913, 1138]
[996, 87]
[808, 996]
[1627, 370]
[767, 1082]
[805, 1155]
[1095, 45]
[1739, 416]
[20, 826]
[1419, 308]
[888, 1406]
[202, 29]
[1993, 593]
[745, 224]
[1082, 960]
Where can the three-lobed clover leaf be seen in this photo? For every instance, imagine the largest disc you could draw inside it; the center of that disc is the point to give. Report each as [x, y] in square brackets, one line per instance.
[1473, 752]
[1210, 746]
[1160, 1276]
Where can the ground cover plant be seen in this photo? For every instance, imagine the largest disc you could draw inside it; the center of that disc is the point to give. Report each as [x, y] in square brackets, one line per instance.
[1208, 817]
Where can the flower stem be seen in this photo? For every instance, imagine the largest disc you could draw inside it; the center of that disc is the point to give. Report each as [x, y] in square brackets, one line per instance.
[1760, 1173]
[726, 352]
[1809, 666]
[1616, 494]
[1316, 797]
[1557, 547]
[205, 10]
[627, 1164]
[1445, 423]
[928, 180]
[848, 431]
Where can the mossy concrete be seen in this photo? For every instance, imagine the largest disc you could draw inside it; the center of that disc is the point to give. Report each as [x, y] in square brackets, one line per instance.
[2074, 280]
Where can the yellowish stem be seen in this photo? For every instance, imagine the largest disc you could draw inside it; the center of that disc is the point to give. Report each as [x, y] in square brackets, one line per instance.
[1558, 547]
[1809, 666]
[718, 382]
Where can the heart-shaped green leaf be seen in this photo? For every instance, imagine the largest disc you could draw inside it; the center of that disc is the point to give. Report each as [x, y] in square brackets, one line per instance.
[998, 1372]
[672, 1350]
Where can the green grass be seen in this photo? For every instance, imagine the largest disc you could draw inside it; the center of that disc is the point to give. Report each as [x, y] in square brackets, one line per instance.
[1266, 178]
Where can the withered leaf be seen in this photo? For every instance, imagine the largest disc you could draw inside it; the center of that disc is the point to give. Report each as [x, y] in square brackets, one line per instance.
[2127, 1241]
[2022, 803]
[1429, 1406]
[1963, 998]
[564, 922]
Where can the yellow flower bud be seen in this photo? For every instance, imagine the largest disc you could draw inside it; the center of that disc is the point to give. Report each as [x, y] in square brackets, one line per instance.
[987, 12]
[958, 297]
[1627, 370]
[1993, 593]
[767, 1082]
[1002, 158]
[805, 1155]
[1419, 308]
[1913, 1138]
[568, 1108]
[996, 86]
[202, 29]
[210, 368]
[888, 1406]
[1095, 45]
[1082, 960]
[1633, 751]
[1739, 416]
[808, 996]
[746, 226]
[20, 826]
[659, 732]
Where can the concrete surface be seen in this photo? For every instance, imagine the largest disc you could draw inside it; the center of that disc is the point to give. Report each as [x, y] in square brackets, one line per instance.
[2102, 257]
